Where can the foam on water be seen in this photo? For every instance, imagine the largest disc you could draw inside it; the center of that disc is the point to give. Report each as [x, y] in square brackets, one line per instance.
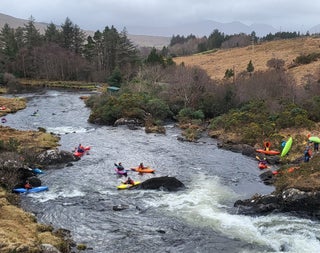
[53, 194]
[66, 130]
[205, 204]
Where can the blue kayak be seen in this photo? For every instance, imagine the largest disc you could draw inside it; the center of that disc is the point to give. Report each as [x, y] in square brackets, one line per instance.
[37, 171]
[34, 189]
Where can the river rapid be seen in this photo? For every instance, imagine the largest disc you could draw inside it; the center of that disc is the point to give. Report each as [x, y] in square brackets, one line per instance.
[200, 218]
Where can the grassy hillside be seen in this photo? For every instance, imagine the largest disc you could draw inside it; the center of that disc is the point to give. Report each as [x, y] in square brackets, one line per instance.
[217, 62]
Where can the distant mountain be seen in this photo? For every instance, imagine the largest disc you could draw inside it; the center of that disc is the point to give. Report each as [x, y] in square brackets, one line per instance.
[139, 40]
[315, 29]
[204, 28]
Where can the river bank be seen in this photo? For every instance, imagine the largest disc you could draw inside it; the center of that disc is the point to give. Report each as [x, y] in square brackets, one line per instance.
[19, 230]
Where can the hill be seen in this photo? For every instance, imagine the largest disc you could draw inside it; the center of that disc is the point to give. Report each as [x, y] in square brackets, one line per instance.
[217, 62]
[138, 40]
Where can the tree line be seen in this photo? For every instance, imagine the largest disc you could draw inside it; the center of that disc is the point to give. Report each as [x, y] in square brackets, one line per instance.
[65, 53]
[181, 45]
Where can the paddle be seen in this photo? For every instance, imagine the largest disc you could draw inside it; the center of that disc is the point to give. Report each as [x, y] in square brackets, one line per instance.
[258, 158]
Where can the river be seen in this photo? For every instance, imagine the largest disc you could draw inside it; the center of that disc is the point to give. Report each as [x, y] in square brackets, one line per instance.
[200, 218]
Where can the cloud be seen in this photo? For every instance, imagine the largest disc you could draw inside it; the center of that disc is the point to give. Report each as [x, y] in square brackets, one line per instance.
[96, 14]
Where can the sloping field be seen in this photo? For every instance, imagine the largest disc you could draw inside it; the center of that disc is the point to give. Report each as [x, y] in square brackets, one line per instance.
[216, 63]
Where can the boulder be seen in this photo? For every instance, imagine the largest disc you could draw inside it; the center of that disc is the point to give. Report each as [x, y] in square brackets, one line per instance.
[289, 200]
[165, 183]
[130, 123]
[56, 156]
[267, 177]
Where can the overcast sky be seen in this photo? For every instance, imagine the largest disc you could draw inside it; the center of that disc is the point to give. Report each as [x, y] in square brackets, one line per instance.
[285, 15]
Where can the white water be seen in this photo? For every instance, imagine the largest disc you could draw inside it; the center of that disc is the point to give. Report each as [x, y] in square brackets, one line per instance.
[204, 205]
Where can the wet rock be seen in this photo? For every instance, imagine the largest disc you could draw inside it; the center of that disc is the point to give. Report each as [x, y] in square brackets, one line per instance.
[120, 207]
[267, 177]
[290, 200]
[131, 123]
[258, 204]
[56, 156]
[48, 248]
[165, 183]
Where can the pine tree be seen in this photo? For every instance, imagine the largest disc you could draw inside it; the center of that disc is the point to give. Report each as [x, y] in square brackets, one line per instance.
[250, 67]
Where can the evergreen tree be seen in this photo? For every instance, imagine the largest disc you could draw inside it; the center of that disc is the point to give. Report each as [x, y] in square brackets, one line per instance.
[250, 67]
[116, 78]
[67, 34]
[215, 39]
[52, 34]
[154, 58]
[32, 37]
[8, 43]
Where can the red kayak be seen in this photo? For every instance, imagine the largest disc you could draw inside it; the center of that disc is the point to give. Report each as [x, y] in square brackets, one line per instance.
[262, 166]
[80, 154]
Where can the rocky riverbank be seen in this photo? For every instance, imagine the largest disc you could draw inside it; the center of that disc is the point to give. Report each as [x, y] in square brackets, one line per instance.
[19, 230]
[297, 183]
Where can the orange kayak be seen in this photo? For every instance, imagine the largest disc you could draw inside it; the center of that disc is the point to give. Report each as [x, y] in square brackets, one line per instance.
[146, 170]
[268, 152]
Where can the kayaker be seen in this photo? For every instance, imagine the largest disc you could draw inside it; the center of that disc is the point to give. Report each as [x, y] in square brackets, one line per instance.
[129, 181]
[263, 161]
[307, 154]
[35, 112]
[141, 167]
[119, 166]
[28, 186]
[80, 148]
[315, 147]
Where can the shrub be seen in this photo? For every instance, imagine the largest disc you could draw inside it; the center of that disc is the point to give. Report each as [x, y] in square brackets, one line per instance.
[158, 109]
[189, 113]
[306, 59]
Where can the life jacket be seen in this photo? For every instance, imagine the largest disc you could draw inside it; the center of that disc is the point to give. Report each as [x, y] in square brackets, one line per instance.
[27, 186]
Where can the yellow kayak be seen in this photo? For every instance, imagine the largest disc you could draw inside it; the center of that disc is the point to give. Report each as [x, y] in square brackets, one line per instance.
[123, 186]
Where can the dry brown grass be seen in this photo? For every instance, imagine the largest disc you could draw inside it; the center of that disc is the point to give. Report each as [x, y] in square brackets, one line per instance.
[29, 139]
[12, 104]
[19, 231]
[216, 63]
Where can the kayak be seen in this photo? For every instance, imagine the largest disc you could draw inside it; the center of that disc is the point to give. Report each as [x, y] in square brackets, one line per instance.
[146, 170]
[268, 152]
[287, 147]
[34, 189]
[314, 139]
[123, 186]
[262, 166]
[79, 154]
[289, 170]
[37, 171]
[121, 172]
